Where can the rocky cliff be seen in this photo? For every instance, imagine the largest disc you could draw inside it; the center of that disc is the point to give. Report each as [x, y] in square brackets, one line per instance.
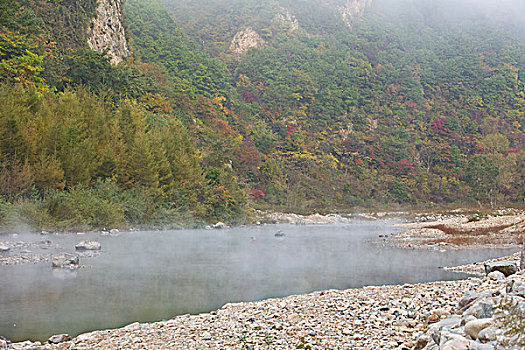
[286, 17]
[245, 40]
[106, 31]
[354, 10]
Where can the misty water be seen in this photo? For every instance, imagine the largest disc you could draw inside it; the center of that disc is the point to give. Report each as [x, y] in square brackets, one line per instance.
[149, 276]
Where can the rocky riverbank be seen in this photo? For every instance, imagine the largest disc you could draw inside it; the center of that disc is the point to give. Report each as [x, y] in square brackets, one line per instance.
[428, 316]
[15, 250]
[499, 230]
[320, 219]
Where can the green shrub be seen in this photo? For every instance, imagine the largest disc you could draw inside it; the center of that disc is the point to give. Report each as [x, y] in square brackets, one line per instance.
[81, 208]
[139, 206]
[4, 209]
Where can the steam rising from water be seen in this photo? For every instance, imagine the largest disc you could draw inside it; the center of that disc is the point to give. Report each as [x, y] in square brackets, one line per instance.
[147, 276]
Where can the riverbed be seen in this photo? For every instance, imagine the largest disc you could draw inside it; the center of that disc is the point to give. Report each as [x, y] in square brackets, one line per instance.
[149, 276]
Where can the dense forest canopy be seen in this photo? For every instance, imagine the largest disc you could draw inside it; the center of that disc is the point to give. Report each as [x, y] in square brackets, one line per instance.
[288, 105]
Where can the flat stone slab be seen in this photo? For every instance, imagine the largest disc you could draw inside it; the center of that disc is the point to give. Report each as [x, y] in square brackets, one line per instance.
[88, 245]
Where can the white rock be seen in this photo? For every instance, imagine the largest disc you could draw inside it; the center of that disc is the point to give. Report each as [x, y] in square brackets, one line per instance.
[456, 342]
[106, 31]
[220, 226]
[4, 248]
[473, 328]
[88, 245]
[489, 334]
[496, 276]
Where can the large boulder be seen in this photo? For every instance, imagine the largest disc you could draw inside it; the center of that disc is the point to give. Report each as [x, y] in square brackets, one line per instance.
[455, 342]
[473, 328]
[469, 299]
[506, 267]
[65, 260]
[481, 309]
[88, 245]
[4, 248]
[489, 334]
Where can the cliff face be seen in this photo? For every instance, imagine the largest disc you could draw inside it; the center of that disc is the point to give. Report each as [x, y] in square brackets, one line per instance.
[244, 40]
[106, 32]
[354, 10]
[288, 18]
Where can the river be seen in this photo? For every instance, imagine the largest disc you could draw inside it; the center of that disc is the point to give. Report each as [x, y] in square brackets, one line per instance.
[150, 276]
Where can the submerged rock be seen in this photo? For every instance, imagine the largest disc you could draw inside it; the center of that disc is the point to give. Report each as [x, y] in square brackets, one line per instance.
[279, 234]
[88, 245]
[65, 260]
[506, 267]
[65, 274]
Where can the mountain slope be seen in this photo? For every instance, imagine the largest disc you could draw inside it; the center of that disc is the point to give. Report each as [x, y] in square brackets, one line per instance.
[376, 100]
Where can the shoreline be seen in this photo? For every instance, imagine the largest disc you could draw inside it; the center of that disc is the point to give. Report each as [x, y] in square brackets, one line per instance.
[386, 317]
[371, 317]
[503, 230]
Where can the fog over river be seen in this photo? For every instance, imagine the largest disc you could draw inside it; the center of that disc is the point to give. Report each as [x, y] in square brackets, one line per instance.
[149, 276]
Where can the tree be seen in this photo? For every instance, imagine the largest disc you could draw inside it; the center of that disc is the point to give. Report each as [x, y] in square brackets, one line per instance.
[482, 175]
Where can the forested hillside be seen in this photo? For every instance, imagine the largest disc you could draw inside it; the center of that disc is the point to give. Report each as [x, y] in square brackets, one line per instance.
[288, 105]
[88, 145]
[365, 102]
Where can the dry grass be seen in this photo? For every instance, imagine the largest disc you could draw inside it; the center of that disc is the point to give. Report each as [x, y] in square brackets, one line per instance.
[476, 236]
[472, 232]
[478, 240]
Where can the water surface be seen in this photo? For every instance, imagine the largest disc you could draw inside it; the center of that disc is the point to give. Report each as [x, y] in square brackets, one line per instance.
[150, 276]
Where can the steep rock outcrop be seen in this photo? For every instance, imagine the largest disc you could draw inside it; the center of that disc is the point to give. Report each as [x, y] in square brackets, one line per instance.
[288, 18]
[106, 31]
[353, 11]
[245, 40]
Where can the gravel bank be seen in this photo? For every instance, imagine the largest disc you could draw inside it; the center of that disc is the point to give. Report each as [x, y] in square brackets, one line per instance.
[462, 231]
[479, 267]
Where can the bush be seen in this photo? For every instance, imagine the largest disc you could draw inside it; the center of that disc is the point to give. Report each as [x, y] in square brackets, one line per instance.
[4, 209]
[81, 208]
[139, 206]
